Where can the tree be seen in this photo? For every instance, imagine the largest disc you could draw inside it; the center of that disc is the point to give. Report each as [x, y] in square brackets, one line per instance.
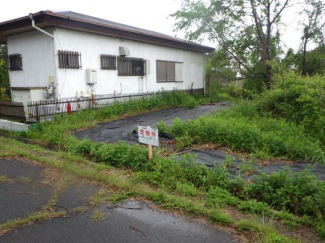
[243, 28]
[291, 60]
[219, 65]
[314, 61]
[314, 10]
[4, 79]
[220, 71]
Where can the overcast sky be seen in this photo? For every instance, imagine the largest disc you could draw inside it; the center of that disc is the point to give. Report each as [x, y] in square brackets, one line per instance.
[147, 14]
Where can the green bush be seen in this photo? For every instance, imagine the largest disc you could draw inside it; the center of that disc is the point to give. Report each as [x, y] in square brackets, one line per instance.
[76, 146]
[320, 229]
[121, 155]
[300, 100]
[300, 193]
[254, 207]
[218, 198]
[191, 102]
[186, 189]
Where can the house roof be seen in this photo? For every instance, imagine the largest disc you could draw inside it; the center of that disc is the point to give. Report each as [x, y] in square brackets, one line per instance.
[81, 22]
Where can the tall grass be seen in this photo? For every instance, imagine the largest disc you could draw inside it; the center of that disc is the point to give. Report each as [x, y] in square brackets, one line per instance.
[259, 135]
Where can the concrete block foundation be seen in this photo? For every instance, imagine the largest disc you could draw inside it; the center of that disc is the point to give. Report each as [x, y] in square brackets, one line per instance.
[13, 126]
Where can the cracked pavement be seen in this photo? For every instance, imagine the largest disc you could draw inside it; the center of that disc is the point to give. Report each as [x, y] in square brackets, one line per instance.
[27, 188]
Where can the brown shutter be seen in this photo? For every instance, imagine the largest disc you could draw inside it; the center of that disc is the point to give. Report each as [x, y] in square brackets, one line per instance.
[170, 71]
[161, 71]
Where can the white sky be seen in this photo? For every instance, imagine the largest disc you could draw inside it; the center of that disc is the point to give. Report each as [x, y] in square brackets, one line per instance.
[147, 14]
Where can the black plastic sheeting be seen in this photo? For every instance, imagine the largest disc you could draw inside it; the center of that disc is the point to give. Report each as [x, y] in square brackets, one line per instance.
[213, 158]
[123, 129]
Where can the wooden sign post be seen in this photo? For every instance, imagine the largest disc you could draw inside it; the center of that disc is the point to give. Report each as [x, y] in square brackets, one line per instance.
[148, 135]
[149, 151]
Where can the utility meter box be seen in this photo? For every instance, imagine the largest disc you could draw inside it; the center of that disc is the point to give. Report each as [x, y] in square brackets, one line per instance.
[91, 76]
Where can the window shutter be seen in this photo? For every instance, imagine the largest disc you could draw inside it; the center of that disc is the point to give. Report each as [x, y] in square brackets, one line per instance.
[69, 59]
[170, 71]
[130, 66]
[161, 71]
[108, 62]
[15, 62]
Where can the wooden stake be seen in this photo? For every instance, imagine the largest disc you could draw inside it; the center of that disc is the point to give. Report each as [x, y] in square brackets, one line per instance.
[149, 149]
[149, 152]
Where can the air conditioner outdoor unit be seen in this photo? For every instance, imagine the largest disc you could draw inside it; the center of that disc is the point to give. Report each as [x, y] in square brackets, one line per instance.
[124, 51]
[91, 76]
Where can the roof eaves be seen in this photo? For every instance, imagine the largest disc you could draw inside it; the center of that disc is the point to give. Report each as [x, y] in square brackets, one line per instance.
[186, 44]
[208, 49]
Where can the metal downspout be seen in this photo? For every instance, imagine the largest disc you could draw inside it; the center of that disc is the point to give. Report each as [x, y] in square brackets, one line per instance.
[46, 33]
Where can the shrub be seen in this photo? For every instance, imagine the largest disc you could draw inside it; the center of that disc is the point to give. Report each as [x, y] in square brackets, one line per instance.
[301, 102]
[78, 146]
[219, 198]
[191, 102]
[300, 193]
[320, 229]
[186, 189]
[121, 155]
[254, 207]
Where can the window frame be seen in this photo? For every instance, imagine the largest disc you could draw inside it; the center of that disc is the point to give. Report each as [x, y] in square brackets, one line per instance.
[16, 67]
[105, 62]
[173, 81]
[132, 74]
[69, 60]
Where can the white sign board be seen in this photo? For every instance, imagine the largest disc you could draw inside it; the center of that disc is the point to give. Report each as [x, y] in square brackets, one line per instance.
[148, 135]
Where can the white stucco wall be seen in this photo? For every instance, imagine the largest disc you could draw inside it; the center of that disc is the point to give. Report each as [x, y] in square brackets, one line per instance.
[92, 46]
[37, 50]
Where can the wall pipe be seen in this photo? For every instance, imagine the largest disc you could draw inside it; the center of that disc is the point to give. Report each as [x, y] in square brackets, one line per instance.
[46, 33]
[39, 29]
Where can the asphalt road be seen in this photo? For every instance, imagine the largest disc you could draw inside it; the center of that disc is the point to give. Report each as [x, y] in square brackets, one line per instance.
[28, 187]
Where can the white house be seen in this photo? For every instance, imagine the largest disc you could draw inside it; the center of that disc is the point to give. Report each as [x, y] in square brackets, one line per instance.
[67, 54]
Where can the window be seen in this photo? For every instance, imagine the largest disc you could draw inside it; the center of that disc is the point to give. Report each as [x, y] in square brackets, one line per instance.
[15, 62]
[108, 62]
[169, 71]
[129, 66]
[69, 59]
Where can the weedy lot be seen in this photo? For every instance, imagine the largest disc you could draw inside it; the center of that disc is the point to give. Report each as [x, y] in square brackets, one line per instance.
[281, 207]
